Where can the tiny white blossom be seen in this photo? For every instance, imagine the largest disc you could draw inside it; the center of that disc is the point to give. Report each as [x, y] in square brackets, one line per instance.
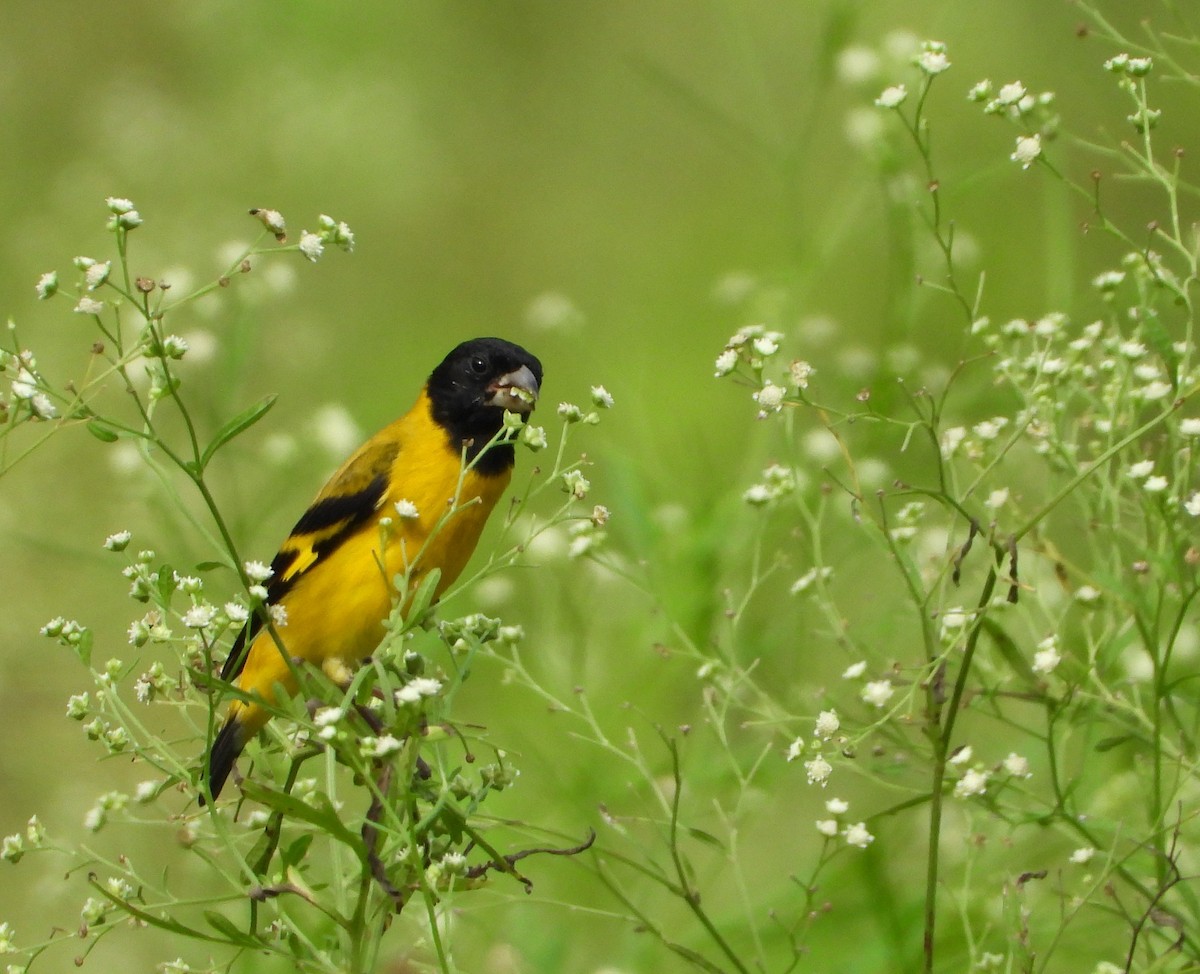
[89, 306]
[311, 246]
[769, 398]
[1047, 657]
[827, 724]
[145, 792]
[380, 747]
[236, 613]
[258, 571]
[799, 372]
[795, 749]
[932, 60]
[1017, 766]
[980, 91]
[973, 782]
[47, 285]
[878, 692]
[1190, 426]
[892, 97]
[407, 510]
[97, 274]
[199, 616]
[1140, 470]
[327, 716]
[857, 835]
[818, 771]
[417, 688]
[1192, 504]
[997, 498]
[42, 406]
[278, 614]
[601, 397]
[118, 204]
[1156, 484]
[768, 344]
[118, 541]
[855, 670]
[837, 806]
[1081, 857]
[726, 362]
[1153, 391]
[962, 755]
[1010, 93]
[827, 827]
[1029, 147]
[1087, 594]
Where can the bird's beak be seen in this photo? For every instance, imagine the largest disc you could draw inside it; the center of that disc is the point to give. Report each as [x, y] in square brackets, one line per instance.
[515, 391]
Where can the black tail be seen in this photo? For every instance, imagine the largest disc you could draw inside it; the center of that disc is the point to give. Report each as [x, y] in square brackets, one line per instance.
[227, 746]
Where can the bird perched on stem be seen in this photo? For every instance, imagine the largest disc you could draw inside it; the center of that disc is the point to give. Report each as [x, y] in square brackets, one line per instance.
[436, 472]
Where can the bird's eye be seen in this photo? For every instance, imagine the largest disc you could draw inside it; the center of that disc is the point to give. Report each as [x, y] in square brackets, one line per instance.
[478, 365]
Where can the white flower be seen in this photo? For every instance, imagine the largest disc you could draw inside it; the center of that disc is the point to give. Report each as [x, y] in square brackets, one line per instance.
[818, 771]
[1087, 594]
[997, 498]
[1047, 657]
[973, 782]
[118, 541]
[1190, 426]
[43, 408]
[856, 64]
[417, 688]
[1017, 766]
[576, 484]
[1153, 391]
[795, 749]
[311, 246]
[828, 827]
[855, 670]
[89, 306]
[766, 345]
[837, 806]
[407, 510]
[952, 438]
[328, 716]
[97, 274]
[878, 692]
[857, 835]
[1192, 504]
[380, 747]
[601, 397]
[980, 91]
[258, 571]
[236, 613]
[769, 398]
[892, 97]
[1010, 93]
[278, 614]
[47, 285]
[1082, 856]
[799, 372]
[805, 581]
[827, 724]
[1140, 470]
[726, 362]
[199, 616]
[932, 59]
[118, 204]
[1029, 147]
[1108, 280]
[962, 755]
[1155, 485]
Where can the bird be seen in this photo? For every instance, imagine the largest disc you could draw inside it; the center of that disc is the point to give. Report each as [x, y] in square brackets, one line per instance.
[333, 576]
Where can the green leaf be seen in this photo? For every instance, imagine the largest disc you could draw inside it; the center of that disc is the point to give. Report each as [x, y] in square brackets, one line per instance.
[323, 815]
[227, 928]
[294, 854]
[1009, 651]
[102, 432]
[239, 424]
[1110, 742]
[210, 566]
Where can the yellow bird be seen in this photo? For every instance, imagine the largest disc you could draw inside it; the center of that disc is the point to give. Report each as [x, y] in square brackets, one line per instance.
[333, 576]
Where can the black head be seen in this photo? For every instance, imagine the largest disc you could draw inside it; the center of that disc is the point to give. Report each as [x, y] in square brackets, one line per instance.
[471, 389]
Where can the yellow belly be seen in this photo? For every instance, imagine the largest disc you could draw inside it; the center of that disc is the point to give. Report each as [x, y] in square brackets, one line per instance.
[336, 609]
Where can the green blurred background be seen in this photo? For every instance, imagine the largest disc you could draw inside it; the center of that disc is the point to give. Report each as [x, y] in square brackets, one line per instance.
[598, 181]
